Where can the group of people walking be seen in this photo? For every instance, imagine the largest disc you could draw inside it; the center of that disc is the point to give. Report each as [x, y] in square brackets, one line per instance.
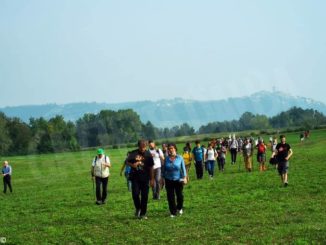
[216, 151]
[148, 166]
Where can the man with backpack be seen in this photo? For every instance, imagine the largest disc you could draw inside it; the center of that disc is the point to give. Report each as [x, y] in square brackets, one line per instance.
[158, 159]
[100, 172]
[198, 153]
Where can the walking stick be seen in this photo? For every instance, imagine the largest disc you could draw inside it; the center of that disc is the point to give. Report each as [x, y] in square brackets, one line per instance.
[240, 161]
[93, 188]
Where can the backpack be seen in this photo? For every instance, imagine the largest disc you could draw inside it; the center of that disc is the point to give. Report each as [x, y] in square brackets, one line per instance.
[104, 159]
[261, 148]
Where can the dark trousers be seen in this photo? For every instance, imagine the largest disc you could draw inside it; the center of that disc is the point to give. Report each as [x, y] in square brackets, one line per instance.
[199, 169]
[140, 191]
[104, 182]
[174, 188]
[221, 162]
[7, 182]
[234, 152]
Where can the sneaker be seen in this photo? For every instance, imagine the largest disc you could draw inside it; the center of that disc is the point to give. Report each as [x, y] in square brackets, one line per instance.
[286, 184]
[180, 211]
[172, 216]
[103, 202]
[137, 213]
[143, 217]
[98, 202]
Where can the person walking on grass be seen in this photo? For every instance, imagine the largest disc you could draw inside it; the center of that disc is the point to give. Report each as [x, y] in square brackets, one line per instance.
[233, 149]
[198, 153]
[127, 170]
[174, 173]
[261, 154]
[274, 144]
[221, 153]
[141, 175]
[100, 173]
[158, 158]
[283, 153]
[211, 155]
[6, 173]
[187, 158]
[247, 151]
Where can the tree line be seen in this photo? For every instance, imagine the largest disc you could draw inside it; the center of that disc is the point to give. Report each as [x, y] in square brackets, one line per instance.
[123, 127]
[57, 135]
[294, 117]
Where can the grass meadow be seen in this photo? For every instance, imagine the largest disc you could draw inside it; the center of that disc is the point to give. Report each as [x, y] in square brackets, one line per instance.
[53, 203]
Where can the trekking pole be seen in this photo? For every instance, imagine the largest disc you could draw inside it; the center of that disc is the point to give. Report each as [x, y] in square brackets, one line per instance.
[240, 161]
[93, 188]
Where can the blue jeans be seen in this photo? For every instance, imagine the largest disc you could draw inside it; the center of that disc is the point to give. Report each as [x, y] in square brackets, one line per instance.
[128, 181]
[210, 167]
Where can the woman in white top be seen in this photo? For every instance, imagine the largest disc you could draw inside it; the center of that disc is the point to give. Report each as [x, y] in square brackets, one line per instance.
[211, 155]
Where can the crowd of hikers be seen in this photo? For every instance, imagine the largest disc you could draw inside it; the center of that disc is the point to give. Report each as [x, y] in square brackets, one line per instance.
[151, 166]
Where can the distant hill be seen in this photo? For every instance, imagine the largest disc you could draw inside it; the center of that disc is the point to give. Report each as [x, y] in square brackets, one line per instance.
[168, 113]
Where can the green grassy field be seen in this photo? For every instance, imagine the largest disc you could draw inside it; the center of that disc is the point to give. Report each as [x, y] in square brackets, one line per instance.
[53, 203]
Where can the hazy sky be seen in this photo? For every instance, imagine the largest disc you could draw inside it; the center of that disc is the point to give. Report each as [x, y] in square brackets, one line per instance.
[64, 51]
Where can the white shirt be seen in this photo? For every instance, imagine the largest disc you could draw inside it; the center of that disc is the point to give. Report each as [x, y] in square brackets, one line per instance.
[211, 154]
[157, 154]
[234, 144]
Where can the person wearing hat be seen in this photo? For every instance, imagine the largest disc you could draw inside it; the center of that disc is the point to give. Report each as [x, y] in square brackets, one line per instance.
[6, 173]
[100, 172]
